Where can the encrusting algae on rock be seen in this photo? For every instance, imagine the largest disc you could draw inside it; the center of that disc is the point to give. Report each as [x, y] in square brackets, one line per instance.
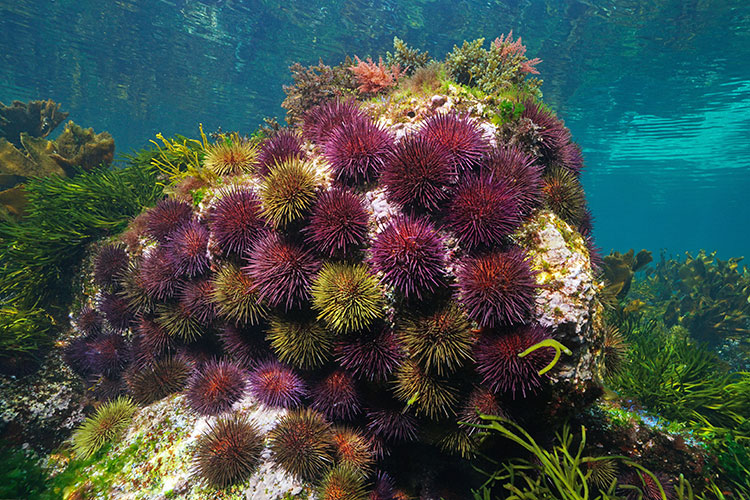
[359, 281]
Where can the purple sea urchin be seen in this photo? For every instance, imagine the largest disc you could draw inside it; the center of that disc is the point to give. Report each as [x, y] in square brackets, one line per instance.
[276, 385]
[281, 146]
[392, 424]
[551, 134]
[496, 355]
[357, 151]
[229, 452]
[187, 247]
[153, 340]
[89, 321]
[481, 401]
[117, 311]
[195, 299]
[158, 275]
[335, 396]
[519, 171]
[418, 174]
[245, 346]
[282, 271]
[483, 212]
[321, 120]
[411, 256]
[371, 355]
[301, 443]
[236, 220]
[165, 217]
[215, 387]
[338, 223]
[497, 288]
[111, 262]
[461, 136]
[108, 354]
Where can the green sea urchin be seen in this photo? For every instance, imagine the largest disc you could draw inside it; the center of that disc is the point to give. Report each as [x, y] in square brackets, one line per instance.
[106, 425]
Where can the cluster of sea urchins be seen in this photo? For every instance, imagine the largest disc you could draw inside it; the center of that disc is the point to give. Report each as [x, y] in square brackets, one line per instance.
[374, 337]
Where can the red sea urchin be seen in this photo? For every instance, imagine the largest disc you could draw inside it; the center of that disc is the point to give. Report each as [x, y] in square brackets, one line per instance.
[187, 247]
[111, 263]
[357, 151]
[276, 385]
[411, 256]
[335, 396]
[282, 271]
[520, 171]
[167, 216]
[497, 288]
[496, 355]
[236, 220]
[338, 223]
[372, 355]
[215, 387]
[483, 212]
[461, 137]
[418, 174]
[195, 299]
[282, 145]
[320, 121]
[158, 275]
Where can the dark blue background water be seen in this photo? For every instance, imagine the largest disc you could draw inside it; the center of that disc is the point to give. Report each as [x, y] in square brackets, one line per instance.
[657, 93]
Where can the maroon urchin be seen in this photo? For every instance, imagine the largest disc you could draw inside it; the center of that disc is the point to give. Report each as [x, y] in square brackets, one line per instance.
[150, 341]
[277, 385]
[187, 247]
[484, 211]
[280, 146]
[411, 256]
[89, 321]
[282, 271]
[117, 311]
[338, 223]
[167, 216]
[497, 288]
[195, 299]
[302, 444]
[571, 157]
[418, 174]
[245, 346]
[551, 134]
[158, 275]
[108, 354]
[320, 121]
[460, 135]
[215, 387]
[520, 171]
[357, 151]
[392, 424]
[236, 220]
[481, 401]
[336, 396]
[111, 262]
[496, 355]
[374, 355]
[76, 356]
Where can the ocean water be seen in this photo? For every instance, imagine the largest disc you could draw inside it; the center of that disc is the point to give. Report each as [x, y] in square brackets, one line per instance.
[656, 92]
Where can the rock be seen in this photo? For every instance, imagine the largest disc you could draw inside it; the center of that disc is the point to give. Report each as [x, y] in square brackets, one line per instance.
[438, 100]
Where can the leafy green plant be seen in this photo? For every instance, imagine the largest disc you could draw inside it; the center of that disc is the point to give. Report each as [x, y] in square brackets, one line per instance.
[408, 58]
[21, 476]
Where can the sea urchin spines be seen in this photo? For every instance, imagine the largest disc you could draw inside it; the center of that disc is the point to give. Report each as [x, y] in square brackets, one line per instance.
[431, 395]
[564, 195]
[165, 217]
[481, 401]
[111, 262]
[157, 381]
[107, 424]
[441, 342]
[551, 134]
[177, 321]
[236, 220]
[347, 297]
[335, 396]
[306, 344]
[342, 482]
[245, 346]
[498, 363]
[498, 287]
[418, 174]
[520, 171]
[371, 355]
[353, 449]
[287, 191]
[229, 452]
[195, 299]
[411, 255]
[152, 340]
[338, 223]
[231, 156]
[187, 247]
[117, 311]
[282, 271]
[89, 321]
[483, 212]
[215, 387]
[235, 296]
[108, 354]
[392, 424]
[301, 443]
[276, 385]
[461, 136]
[158, 275]
[321, 120]
[282, 145]
[357, 151]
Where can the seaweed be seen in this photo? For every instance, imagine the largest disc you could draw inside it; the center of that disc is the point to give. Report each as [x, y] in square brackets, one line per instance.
[408, 58]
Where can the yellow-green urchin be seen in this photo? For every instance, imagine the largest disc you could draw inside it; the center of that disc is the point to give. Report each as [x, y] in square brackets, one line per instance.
[107, 424]
[342, 483]
[231, 157]
[235, 296]
[304, 344]
[301, 443]
[347, 297]
[431, 396]
[287, 191]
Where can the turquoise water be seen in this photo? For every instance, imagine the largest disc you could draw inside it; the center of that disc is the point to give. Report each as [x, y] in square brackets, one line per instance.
[657, 93]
